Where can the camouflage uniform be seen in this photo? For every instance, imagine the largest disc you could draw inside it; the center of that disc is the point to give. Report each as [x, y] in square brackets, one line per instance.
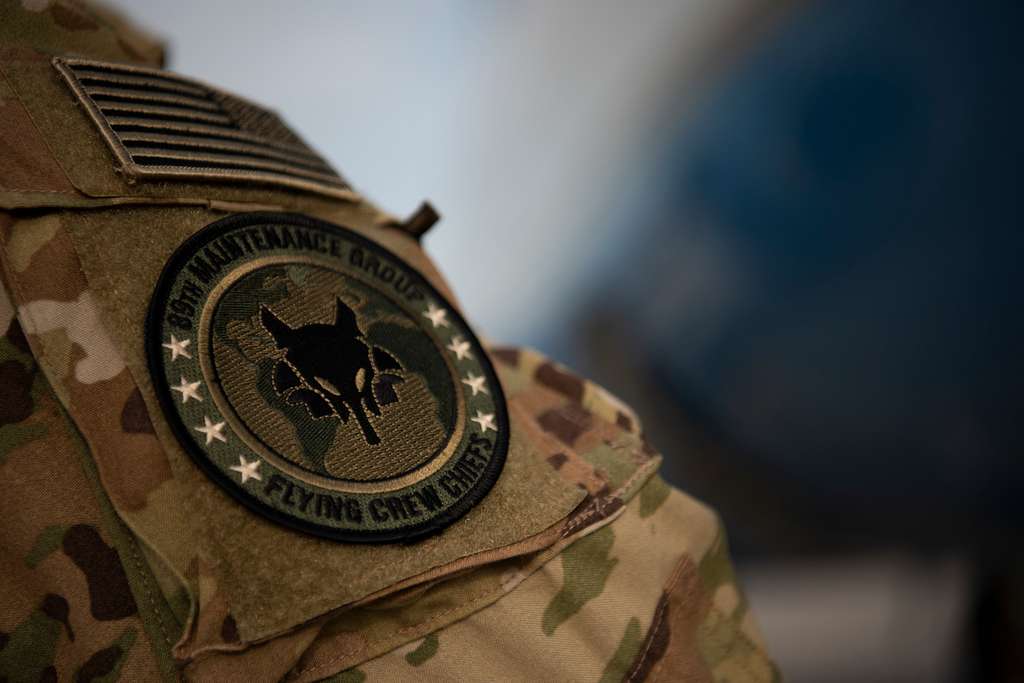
[120, 560]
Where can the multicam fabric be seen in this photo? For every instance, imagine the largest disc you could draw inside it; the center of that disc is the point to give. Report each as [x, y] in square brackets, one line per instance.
[119, 560]
[70, 607]
[655, 570]
[629, 602]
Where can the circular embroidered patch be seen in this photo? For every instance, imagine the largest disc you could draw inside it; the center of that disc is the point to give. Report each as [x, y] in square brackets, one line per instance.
[322, 381]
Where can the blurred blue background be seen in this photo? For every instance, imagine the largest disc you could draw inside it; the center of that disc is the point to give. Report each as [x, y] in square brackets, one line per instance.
[787, 232]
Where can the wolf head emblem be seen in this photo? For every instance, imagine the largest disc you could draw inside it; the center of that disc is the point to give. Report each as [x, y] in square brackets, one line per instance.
[332, 369]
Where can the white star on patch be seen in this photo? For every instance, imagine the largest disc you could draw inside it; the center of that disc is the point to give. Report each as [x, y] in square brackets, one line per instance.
[177, 347]
[247, 469]
[460, 348]
[188, 390]
[476, 383]
[485, 421]
[436, 315]
[211, 430]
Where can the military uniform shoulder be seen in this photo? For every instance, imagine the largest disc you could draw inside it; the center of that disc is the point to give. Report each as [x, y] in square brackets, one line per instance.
[298, 459]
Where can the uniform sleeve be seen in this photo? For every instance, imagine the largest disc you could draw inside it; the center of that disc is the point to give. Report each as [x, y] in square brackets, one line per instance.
[71, 578]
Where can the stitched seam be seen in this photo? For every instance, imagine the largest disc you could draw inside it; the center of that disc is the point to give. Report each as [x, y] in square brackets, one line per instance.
[659, 618]
[413, 627]
[406, 629]
[134, 552]
[402, 631]
[586, 517]
[24, 310]
[143, 575]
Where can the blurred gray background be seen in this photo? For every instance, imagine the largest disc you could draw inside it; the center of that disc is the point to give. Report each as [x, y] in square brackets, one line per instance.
[787, 232]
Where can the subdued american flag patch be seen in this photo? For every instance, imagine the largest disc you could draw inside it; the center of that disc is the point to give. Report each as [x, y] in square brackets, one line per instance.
[162, 125]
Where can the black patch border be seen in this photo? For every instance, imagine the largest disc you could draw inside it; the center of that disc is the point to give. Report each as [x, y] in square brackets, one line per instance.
[154, 357]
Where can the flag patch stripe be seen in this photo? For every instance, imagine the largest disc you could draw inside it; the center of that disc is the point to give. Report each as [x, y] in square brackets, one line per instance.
[180, 142]
[163, 125]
